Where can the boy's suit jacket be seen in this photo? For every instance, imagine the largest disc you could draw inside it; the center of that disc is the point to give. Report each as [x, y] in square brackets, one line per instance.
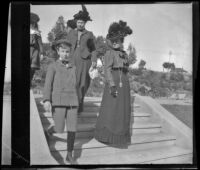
[60, 85]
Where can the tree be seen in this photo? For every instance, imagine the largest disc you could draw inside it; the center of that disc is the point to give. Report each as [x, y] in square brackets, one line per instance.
[132, 54]
[47, 49]
[59, 27]
[166, 65]
[101, 45]
[169, 66]
[172, 67]
[41, 74]
[141, 64]
[130, 47]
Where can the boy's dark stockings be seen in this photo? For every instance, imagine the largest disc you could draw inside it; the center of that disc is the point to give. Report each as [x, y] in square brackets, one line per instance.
[70, 147]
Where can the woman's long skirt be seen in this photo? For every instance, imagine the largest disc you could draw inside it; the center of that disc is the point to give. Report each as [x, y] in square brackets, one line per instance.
[113, 122]
[82, 73]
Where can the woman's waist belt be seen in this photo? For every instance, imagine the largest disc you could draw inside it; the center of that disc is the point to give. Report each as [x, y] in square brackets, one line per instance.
[124, 69]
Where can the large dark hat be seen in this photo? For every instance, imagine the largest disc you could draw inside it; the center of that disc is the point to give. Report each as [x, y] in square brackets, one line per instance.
[34, 18]
[118, 30]
[83, 15]
[71, 23]
[61, 37]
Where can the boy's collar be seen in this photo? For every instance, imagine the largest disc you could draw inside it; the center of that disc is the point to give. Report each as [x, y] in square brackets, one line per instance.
[69, 64]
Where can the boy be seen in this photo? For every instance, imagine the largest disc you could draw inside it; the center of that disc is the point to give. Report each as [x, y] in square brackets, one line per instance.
[60, 94]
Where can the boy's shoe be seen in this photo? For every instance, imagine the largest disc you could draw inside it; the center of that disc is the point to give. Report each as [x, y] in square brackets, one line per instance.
[70, 159]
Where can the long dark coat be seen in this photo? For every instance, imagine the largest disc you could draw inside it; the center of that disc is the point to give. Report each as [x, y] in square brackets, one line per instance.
[113, 122]
[36, 49]
[83, 54]
[60, 85]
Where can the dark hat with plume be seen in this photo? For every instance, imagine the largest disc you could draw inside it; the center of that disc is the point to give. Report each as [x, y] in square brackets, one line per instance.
[118, 30]
[71, 23]
[83, 15]
[34, 18]
[61, 38]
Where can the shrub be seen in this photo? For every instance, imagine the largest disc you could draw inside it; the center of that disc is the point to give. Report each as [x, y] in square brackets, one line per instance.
[176, 77]
[188, 86]
[137, 72]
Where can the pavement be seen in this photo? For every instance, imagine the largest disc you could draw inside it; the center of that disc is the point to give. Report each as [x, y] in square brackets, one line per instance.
[174, 101]
[6, 132]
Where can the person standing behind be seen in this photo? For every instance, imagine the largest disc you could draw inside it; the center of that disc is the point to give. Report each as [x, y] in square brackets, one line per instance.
[36, 47]
[60, 95]
[84, 53]
[113, 122]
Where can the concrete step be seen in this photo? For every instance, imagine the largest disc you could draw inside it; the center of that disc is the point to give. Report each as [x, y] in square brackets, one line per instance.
[89, 106]
[93, 147]
[181, 159]
[91, 117]
[87, 130]
[86, 117]
[129, 157]
[98, 104]
[94, 114]
[95, 107]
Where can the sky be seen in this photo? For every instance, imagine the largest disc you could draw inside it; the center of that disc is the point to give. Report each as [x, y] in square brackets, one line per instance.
[7, 77]
[157, 28]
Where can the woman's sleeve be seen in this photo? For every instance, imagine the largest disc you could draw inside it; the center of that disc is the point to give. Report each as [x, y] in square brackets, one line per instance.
[48, 87]
[108, 63]
[40, 44]
[93, 48]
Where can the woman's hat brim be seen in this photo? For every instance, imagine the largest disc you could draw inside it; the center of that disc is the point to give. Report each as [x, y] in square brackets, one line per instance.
[116, 37]
[82, 18]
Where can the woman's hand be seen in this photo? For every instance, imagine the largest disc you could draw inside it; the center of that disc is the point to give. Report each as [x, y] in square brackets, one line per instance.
[47, 106]
[113, 91]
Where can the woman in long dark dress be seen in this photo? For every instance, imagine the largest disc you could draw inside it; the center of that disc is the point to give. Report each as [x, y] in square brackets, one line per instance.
[113, 123]
[83, 52]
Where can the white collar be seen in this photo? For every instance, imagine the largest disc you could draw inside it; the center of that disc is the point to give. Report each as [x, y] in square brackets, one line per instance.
[32, 31]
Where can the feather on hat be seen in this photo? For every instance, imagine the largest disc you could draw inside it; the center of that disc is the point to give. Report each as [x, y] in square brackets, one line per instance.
[83, 15]
[118, 30]
[61, 37]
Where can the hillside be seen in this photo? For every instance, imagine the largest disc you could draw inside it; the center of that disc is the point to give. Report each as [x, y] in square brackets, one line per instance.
[160, 84]
[142, 81]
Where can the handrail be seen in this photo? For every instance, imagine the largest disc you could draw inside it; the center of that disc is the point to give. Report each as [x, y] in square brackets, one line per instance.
[170, 123]
[39, 150]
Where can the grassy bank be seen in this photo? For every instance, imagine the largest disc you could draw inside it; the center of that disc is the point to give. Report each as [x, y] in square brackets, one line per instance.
[182, 112]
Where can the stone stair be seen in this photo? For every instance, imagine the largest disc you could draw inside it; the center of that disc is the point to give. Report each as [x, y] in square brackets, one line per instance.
[149, 143]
